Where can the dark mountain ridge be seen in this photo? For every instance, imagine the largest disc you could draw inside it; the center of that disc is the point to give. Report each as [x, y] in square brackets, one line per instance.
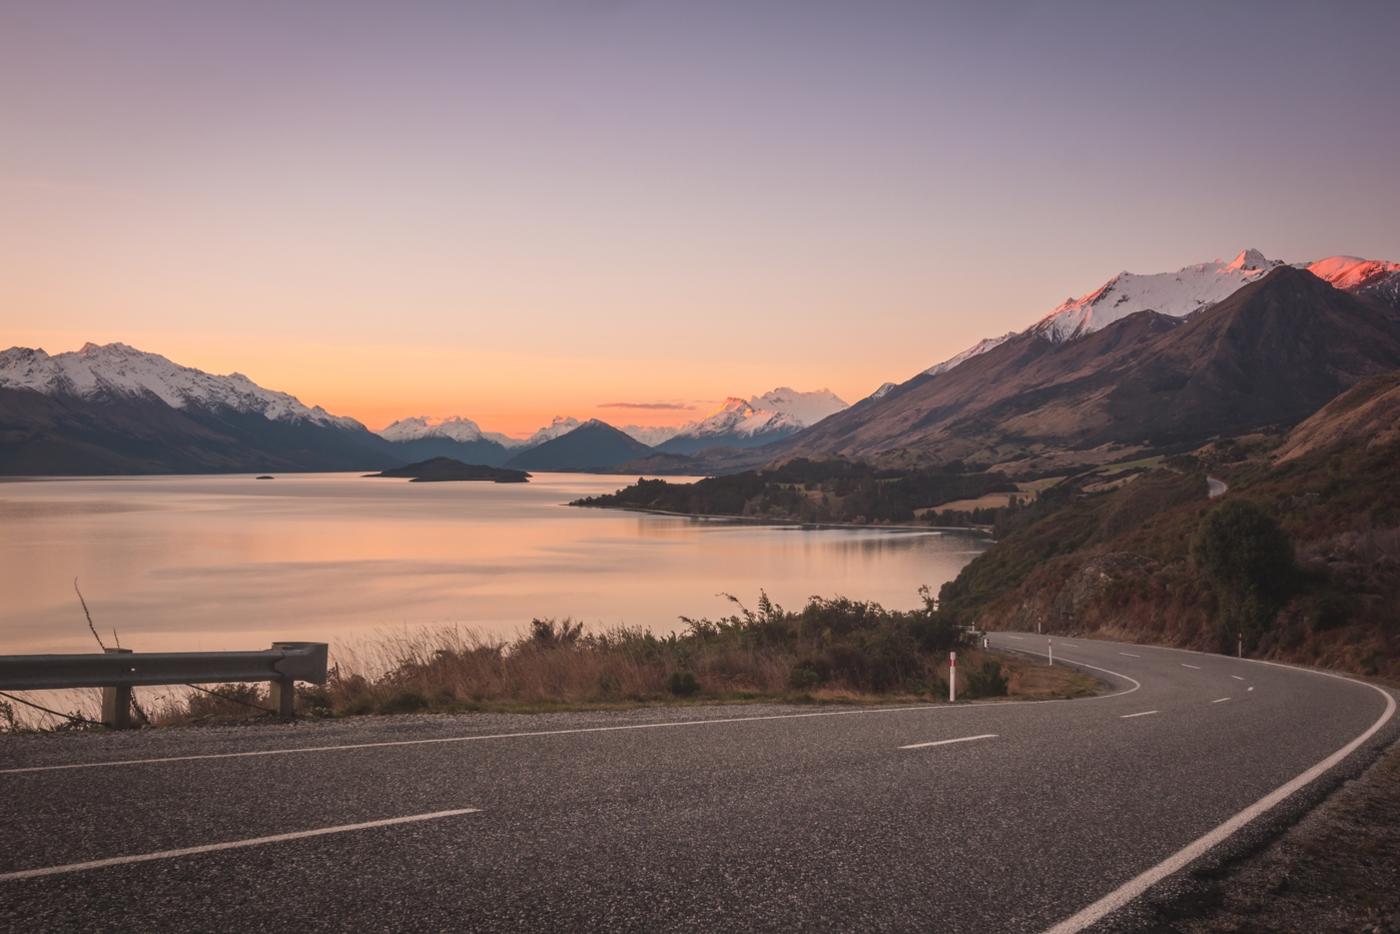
[1269, 355]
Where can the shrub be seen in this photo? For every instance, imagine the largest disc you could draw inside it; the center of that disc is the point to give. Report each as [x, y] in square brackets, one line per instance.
[1248, 561]
[987, 681]
[682, 683]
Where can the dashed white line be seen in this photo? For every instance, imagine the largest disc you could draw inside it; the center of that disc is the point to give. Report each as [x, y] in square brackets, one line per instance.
[1184, 665]
[1220, 700]
[1017, 638]
[1145, 713]
[945, 742]
[1237, 677]
[1250, 688]
[1130, 654]
[228, 845]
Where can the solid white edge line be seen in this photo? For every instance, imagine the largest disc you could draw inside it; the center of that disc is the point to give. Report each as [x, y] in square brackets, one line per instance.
[1140, 883]
[437, 740]
[945, 742]
[229, 845]
[1145, 713]
[1220, 700]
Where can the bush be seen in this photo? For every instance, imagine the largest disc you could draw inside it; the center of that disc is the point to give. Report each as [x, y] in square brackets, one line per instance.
[682, 684]
[987, 681]
[224, 701]
[1248, 560]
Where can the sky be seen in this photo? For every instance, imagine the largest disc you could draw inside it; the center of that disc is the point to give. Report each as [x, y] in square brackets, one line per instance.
[631, 210]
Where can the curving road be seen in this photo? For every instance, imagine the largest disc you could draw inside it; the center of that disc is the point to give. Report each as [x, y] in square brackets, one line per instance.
[974, 817]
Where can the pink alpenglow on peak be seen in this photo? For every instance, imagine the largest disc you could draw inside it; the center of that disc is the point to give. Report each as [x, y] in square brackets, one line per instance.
[1352, 272]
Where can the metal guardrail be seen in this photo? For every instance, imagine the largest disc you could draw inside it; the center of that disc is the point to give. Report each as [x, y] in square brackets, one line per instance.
[118, 670]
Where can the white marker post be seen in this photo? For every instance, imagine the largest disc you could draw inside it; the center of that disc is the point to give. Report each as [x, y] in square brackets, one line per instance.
[1051, 653]
[1239, 645]
[952, 677]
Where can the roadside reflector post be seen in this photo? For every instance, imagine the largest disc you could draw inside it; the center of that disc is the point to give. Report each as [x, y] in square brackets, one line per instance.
[1239, 645]
[116, 700]
[952, 677]
[1050, 643]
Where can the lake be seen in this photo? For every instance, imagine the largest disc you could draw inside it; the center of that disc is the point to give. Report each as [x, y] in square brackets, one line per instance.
[229, 562]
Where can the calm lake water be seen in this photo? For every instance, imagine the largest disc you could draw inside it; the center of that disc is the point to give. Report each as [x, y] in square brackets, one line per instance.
[208, 563]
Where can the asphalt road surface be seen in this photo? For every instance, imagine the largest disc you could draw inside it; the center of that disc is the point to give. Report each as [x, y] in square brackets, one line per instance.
[973, 817]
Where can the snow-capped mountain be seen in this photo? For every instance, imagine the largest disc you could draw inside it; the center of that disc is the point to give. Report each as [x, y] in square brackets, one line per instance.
[1180, 293]
[1352, 272]
[117, 370]
[651, 435]
[115, 409]
[982, 346]
[1175, 294]
[884, 390]
[560, 425]
[755, 421]
[455, 428]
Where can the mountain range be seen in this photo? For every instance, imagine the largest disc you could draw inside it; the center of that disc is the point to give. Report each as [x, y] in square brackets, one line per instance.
[1143, 362]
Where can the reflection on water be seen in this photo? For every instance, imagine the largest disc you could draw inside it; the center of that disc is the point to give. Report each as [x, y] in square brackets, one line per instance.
[230, 562]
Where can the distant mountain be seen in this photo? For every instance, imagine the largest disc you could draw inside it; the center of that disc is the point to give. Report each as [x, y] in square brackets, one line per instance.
[560, 425]
[1373, 280]
[592, 446]
[459, 438]
[651, 435]
[1270, 354]
[115, 409]
[753, 422]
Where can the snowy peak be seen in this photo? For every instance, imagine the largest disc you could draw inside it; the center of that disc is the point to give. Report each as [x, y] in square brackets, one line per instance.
[779, 410]
[1352, 272]
[981, 347]
[1249, 260]
[1175, 294]
[561, 425]
[455, 428]
[119, 370]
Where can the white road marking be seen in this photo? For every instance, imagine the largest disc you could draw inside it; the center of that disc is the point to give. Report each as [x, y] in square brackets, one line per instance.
[292, 750]
[1134, 887]
[1145, 713]
[1250, 688]
[229, 845]
[1184, 665]
[1220, 700]
[945, 742]
[1237, 677]
[1130, 654]
[1017, 638]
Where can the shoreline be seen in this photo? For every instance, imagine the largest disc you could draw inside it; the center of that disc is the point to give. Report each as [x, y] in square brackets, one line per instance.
[758, 520]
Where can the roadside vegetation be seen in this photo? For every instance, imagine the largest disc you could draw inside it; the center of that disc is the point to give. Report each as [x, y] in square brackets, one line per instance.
[1299, 561]
[831, 651]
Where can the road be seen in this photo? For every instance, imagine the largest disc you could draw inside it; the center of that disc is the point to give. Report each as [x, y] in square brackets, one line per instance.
[972, 817]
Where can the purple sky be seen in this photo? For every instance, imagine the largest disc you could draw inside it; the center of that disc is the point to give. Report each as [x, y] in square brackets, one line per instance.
[512, 210]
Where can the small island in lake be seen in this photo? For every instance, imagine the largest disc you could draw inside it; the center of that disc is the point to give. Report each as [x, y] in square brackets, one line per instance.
[440, 469]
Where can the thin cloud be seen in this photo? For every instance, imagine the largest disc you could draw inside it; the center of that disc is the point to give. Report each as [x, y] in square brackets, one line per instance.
[658, 406]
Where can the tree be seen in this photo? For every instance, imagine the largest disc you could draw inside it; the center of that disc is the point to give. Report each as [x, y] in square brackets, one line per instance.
[1248, 561]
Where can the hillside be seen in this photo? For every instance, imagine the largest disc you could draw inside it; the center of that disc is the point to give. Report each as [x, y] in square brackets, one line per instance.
[1268, 355]
[594, 445]
[1129, 557]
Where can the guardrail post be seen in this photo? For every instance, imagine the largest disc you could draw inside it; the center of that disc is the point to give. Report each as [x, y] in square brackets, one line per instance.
[283, 695]
[116, 700]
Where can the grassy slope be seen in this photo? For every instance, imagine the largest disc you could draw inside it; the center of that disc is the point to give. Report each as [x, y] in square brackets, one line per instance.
[1118, 562]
